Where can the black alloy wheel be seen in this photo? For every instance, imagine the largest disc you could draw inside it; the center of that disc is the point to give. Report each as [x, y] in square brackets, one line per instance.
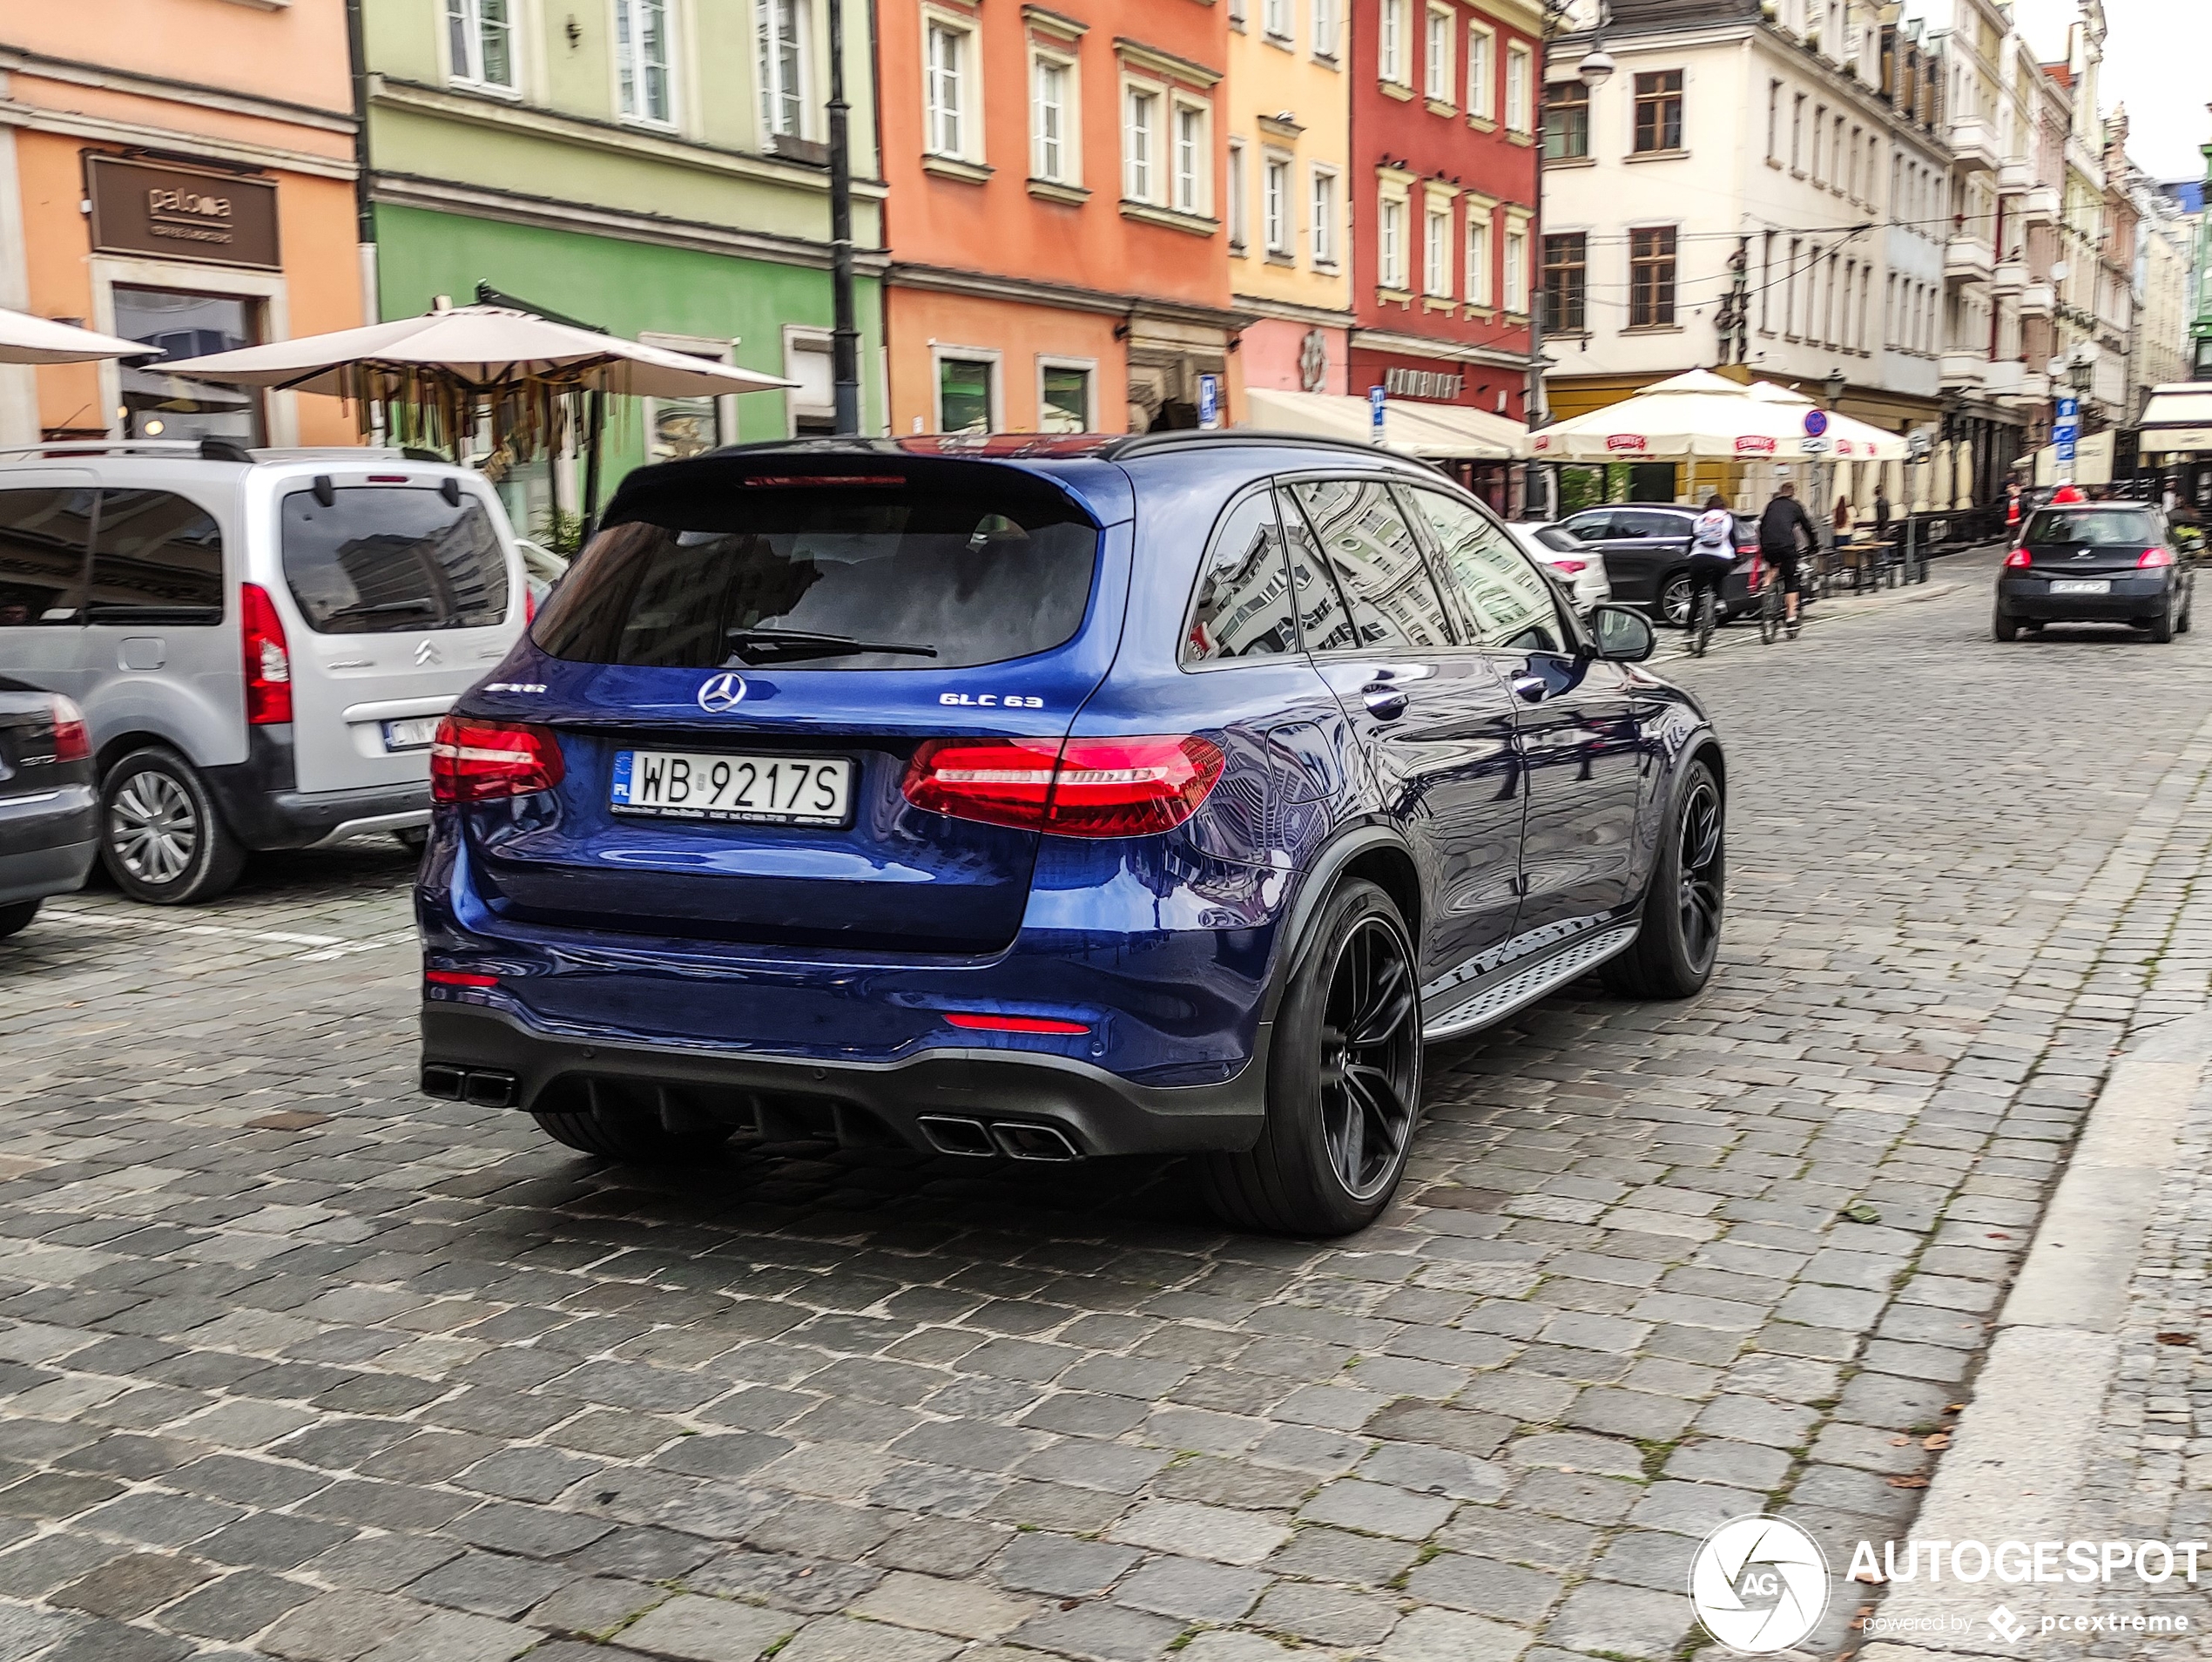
[1679, 941]
[1344, 1079]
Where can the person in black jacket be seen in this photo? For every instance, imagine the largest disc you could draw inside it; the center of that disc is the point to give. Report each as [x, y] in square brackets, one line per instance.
[1778, 546]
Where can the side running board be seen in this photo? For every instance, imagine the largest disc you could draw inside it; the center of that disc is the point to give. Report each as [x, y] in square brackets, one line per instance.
[1501, 998]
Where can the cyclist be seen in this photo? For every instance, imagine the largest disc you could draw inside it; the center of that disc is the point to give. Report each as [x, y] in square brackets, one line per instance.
[1712, 555]
[1779, 527]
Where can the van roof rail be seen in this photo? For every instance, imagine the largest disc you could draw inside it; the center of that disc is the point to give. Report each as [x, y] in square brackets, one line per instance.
[212, 449]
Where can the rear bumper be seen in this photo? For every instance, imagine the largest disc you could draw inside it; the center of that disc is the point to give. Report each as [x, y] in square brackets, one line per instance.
[264, 808]
[48, 843]
[2132, 599]
[496, 1057]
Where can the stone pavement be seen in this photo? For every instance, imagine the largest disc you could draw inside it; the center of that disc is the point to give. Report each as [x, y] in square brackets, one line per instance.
[295, 1363]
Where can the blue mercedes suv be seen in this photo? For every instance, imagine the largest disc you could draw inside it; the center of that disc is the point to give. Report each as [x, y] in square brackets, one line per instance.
[1050, 798]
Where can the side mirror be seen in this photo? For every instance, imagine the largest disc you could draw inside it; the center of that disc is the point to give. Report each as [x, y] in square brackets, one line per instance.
[1624, 635]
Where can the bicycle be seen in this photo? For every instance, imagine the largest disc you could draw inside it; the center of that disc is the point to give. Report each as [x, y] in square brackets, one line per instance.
[1768, 587]
[1704, 610]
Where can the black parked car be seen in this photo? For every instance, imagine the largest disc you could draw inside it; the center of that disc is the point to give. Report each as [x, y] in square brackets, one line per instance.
[2096, 562]
[1646, 549]
[49, 810]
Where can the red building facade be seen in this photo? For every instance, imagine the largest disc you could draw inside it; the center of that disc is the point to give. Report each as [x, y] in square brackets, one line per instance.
[1446, 110]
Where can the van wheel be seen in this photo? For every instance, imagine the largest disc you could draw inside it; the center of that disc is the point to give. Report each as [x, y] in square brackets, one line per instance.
[1343, 1080]
[1680, 939]
[635, 1139]
[160, 837]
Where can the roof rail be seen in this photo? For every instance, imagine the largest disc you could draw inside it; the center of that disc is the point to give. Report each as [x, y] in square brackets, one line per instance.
[212, 449]
[1237, 437]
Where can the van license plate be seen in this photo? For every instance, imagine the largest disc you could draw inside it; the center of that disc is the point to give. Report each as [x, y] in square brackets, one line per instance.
[751, 790]
[2082, 585]
[413, 733]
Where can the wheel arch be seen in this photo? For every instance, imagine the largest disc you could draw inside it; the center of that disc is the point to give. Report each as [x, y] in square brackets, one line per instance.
[114, 750]
[1374, 852]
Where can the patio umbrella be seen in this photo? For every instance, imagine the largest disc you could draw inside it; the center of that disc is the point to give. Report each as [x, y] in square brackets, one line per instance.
[436, 379]
[1701, 415]
[1849, 439]
[25, 339]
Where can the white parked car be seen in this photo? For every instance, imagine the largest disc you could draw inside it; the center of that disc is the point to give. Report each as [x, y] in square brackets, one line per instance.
[262, 641]
[1579, 566]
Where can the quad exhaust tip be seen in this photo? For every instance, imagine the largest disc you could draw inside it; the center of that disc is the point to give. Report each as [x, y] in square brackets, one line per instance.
[953, 1134]
[481, 1087]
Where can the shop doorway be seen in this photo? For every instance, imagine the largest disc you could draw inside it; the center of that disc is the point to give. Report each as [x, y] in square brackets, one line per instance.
[152, 405]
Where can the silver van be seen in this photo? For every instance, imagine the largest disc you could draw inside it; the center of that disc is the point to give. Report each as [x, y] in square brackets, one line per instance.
[262, 641]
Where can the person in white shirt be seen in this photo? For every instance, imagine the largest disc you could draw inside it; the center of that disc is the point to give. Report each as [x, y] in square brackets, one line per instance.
[1712, 552]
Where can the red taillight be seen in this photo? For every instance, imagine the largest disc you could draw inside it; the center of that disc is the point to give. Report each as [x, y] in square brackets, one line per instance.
[268, 663]
[2017, 559]
[2156, 557]
[1083, 788]
[71, 742]
[482, 761]
[1573, 568]
[458, 978]
[1011, 1024]
[529, 607]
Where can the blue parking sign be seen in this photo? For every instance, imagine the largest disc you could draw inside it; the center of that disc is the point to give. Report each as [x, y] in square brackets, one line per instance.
[1210, 400]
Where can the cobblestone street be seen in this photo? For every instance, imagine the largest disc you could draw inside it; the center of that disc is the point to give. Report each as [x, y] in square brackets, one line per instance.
[295, 1362]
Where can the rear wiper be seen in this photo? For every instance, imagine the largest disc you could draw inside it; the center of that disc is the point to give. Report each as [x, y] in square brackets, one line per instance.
[385, 605]
[805, 643]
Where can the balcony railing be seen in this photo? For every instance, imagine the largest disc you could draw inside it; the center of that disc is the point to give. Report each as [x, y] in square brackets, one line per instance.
[2042, 203]
[1973, 143]
[2037, 300]
[1962, 367]
[2008, 277]
[2001, 377]
[2013, 175]
[2035, 386]
[1967, 259]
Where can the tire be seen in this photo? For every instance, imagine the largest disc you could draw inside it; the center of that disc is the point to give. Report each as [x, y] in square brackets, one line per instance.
[1675, 949]
[1341, 1111]
[161, 838]
[16, 917]
[1769, 611]
[1673, 602]
[635, 1139]
[2162, 626]
[2004, 626]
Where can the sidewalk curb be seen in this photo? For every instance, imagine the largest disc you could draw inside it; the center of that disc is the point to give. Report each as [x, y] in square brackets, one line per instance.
[2016, 1466]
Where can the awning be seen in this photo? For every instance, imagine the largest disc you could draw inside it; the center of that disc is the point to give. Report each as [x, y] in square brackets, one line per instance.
[2177, 417]
[1435, 432]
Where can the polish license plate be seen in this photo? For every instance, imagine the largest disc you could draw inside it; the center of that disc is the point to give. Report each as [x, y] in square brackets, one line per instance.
[2082, 585]
[750, 790]
[413, 733]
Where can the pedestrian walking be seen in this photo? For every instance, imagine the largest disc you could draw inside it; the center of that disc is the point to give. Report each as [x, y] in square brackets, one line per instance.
[1781, 526]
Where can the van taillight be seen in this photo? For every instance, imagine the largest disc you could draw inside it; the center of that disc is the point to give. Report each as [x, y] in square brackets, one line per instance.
[268, 663]
[1083, 788]
[71, 742]
[482, 762]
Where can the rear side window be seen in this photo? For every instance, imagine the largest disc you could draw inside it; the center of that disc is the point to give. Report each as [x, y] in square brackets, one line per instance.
[1591, 528]
[1366, 545]
[2098, 527]
[857, 576]
[42, 556]
[1508, 602]
[385, 559]
[1635, 521]
[1243, 608]
[156, 557]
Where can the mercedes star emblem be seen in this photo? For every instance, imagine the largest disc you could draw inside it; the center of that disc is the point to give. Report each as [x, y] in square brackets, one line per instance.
[721, 693]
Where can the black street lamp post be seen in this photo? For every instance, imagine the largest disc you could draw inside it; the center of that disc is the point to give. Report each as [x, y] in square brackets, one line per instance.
[845, 332]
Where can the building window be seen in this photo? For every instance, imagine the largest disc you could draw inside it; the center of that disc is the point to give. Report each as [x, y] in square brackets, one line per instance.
[1798, 133]
[1566, 121]
[1191, 180]
[1324, 217]
[1436, 252]
[1325, 30]
[1437, 55]
[1391, 42]
[1517, 111]
[1275, 18]
[1651, 277]
[1275, 204]
[1567, 259]
[1850, 185]
[1063, 398]
[1659, 111]
[1478, 257]
[1390, 243]
[641, 58]
[1766, 283]
[1482, 73]
[1517, 270]
[1239, 213]
[1773, 120]
[1052, 119]
[783, 67]
[945, 83]
[478, 33]
[1790, 292]
[964, 394]
[1140, 136]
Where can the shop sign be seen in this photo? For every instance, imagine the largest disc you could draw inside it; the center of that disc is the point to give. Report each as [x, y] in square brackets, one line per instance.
[181, 213]
[1424, 383]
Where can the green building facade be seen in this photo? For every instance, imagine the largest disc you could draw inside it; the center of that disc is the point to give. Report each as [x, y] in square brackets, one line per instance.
[655, 167]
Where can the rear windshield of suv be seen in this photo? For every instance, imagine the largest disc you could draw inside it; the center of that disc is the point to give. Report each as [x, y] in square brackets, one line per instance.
[2098, 527]
[854, 575]
[380, 559]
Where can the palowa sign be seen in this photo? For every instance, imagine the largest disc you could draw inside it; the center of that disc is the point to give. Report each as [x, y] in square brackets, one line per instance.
[165, 213]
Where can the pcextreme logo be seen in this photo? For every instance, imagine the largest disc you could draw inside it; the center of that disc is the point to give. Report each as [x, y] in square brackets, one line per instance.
[1758, 1584]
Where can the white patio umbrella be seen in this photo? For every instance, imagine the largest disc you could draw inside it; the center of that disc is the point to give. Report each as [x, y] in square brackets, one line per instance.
[1702, 414]
[436, 378]
[25, 339]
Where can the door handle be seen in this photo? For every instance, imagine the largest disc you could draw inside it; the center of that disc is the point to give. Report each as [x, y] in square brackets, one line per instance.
[1384, 699]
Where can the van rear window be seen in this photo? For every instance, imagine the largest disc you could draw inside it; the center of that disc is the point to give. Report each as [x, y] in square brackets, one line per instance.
[383, 559]
[856, 576]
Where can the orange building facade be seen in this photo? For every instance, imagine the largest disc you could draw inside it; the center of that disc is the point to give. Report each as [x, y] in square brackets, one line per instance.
[1055, 215]
[195, 190]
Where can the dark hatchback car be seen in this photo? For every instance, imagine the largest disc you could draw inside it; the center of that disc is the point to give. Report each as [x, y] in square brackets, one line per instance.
[1646, 549]
[1050, 799]
[2096, 562]
[49, 808]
